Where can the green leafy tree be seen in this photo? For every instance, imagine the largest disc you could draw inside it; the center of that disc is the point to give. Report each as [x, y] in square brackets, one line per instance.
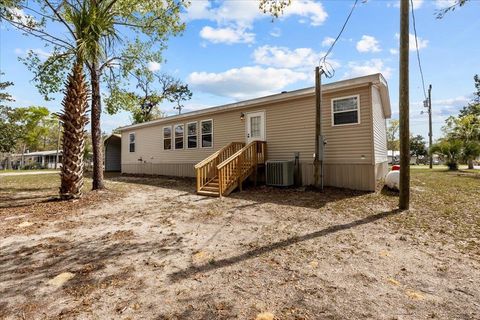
[451, 150]
[470, 151]
[393, 143]
[418, 146]
[473, 108]
[148, 25]
[152, 90]
[9, 130]
[34, 123]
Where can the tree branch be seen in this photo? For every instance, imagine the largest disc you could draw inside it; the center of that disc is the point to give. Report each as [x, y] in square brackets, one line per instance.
[61, 19]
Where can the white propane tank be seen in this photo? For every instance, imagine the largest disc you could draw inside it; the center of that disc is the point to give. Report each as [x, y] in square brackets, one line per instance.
[392, 180]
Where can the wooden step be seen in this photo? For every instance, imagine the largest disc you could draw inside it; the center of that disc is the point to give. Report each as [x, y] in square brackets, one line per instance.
[208, 193]
[209, 187]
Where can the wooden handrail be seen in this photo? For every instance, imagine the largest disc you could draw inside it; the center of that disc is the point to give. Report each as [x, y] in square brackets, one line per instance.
[206, 170]
[239, 166]
[216, 154]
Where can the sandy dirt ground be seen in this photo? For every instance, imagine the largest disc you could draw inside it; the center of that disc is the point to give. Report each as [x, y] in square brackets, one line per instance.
[162, 252]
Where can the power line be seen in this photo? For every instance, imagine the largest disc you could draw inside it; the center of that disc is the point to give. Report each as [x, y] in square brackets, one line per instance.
[418, 51]
[323, 61]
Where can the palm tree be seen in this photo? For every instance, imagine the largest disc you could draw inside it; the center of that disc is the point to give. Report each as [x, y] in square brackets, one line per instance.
[74, 119]
[451, 150]
[471, 150]
[95, 33]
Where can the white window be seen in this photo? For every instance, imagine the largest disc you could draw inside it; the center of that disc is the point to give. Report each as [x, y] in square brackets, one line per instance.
[207, 133]
[346, 110]
[167, 138]
[178, 128]
[192, 134]
[131, 139]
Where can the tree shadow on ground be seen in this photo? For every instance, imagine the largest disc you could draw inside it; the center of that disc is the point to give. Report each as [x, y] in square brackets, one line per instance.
[213, 265]
[24, 270]
[289, 196]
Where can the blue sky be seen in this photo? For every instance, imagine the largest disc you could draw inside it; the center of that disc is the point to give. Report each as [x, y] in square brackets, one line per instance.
[230, 51]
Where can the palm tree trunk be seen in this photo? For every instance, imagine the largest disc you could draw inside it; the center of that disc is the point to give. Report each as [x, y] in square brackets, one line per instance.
[97, 145]
[74, 119]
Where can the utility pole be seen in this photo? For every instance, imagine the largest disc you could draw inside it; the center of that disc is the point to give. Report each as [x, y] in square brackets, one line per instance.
[404, 200]
[318, 161]
[430, 125]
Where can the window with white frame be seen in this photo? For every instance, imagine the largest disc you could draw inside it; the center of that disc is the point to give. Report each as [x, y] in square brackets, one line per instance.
[207, 133]
[192, 135]
[131, 139]
[178, 128]
[346, 110]
[167, 138]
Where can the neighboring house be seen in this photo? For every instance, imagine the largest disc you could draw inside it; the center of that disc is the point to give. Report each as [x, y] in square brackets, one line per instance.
[353, 119]
[393, 156]
[37, 159]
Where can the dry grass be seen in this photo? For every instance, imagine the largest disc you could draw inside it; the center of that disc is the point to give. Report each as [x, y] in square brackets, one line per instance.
[159, 251]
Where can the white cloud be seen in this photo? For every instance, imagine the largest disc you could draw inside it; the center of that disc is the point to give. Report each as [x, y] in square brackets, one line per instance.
[245, 82]
[442, 4]
[422, 43]
[276, 32]
[358, 69]
[227, 35]
[234, 18]
[368, 44]
[40, 52]
[154, 66]
[416, 4]
[393, 51]
[327, 41]
[18, 15]
[312, 10]
[300, 59]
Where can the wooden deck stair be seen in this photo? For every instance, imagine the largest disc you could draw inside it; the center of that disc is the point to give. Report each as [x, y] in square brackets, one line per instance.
[225, 170]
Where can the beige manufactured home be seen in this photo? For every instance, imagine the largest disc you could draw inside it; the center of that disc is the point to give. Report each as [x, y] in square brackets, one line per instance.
[218, 144]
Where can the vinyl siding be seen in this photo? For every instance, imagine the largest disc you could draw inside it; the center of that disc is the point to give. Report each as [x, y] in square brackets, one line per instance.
[290, 128]
[350, 144]
[379, 128]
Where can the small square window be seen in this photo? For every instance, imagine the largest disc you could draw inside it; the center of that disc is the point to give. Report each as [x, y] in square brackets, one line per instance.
[345, 111]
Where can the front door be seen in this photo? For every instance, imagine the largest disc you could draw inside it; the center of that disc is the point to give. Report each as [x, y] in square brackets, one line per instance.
[255, 126]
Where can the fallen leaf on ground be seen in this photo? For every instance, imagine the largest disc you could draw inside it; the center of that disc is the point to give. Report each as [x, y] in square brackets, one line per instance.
[414, 295]
[61, 279]
[25, 224]
[265, 316]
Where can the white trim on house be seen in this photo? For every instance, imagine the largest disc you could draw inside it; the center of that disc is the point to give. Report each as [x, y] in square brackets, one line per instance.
[201, 133]
[196, 134]
[333, 112]
[263, 114]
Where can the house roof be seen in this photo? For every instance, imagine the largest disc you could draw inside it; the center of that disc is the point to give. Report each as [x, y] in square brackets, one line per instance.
[38, 153]
[375, 79]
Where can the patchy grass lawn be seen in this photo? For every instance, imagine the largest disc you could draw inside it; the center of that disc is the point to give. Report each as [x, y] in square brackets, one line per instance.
[150, 248]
